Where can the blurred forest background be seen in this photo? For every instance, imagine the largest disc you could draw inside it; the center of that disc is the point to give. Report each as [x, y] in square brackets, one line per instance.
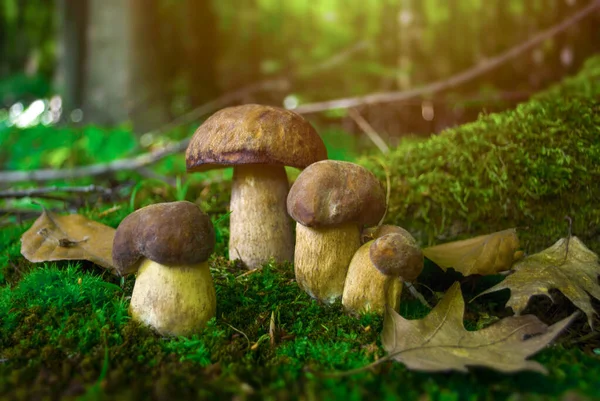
[141, 64]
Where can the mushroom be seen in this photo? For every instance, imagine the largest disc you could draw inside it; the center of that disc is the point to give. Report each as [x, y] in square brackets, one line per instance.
[378, 268]
[168, 245]
[331, 201]
[258, 141]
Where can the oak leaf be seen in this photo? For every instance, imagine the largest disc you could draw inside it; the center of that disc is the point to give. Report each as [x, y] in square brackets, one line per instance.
[568, 266]
[71, 237]
[484, 254]
[440, 342]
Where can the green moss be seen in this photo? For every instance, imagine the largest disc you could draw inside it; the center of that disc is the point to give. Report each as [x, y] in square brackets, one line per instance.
[66, 338]
[525, 168]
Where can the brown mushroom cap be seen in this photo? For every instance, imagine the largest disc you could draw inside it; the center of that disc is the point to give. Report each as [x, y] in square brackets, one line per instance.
[173, 233]
[254, 134]
[332, 192]
[397, 255]
[372, 233]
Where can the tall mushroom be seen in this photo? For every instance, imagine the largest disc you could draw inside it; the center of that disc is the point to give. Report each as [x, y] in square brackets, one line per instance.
[168, 244]
[331, 201]
[378, 268]
[258, 141]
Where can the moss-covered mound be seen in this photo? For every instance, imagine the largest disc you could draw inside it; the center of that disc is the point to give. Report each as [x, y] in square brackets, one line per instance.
[527, 168]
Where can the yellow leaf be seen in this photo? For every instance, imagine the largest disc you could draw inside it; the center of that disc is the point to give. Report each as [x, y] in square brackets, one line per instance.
[485, 254]
[568, 266]
[71, 237]
[440, 342]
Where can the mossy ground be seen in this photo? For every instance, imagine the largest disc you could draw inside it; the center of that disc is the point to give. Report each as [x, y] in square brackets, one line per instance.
[65, 332]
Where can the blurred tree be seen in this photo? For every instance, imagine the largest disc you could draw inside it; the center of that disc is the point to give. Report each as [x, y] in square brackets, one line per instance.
[107, 71]
[148, 97]
[68, 79]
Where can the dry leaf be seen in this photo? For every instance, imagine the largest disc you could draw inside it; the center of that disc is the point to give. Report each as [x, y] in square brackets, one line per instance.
[575, 275]
[439, 342]
[71, 237]
[485, 254]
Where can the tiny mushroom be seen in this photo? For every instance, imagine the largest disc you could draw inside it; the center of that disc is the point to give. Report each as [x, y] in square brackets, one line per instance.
[331, 201]
[258, 141]
[168, 245]
[378, 268]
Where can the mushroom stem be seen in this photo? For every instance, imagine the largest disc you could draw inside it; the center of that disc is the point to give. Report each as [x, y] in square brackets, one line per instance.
[260, 227]
[174, 300]
[366, 288]
[322, 259]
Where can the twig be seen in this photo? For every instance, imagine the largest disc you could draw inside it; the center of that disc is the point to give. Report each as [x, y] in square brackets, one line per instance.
[371, 133]
[36, 192]
[454, 80]
[94, 169]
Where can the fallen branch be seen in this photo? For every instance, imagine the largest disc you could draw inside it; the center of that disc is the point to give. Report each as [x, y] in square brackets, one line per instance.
[35, 192]
[368, 129]
[454, 80]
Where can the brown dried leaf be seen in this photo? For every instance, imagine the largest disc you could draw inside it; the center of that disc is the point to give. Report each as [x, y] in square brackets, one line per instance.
[71, 237]
[485, 254]
[575, 275]
[439, 342]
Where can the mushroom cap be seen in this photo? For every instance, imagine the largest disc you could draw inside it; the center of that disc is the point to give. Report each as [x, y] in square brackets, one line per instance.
[397, 254]
[332, 192]
[254, 134]
[372, 233]
[173, 233]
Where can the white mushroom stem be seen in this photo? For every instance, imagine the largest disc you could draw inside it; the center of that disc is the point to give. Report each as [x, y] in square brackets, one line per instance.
[366, 288]
[322, 258]
[174, 300]
[260, 228]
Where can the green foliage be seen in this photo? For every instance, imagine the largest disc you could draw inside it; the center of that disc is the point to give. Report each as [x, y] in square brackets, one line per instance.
[53, 147]
[527, 167]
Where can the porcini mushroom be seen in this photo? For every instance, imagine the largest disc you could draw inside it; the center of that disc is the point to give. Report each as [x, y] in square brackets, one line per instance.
[331, 201]
[168, 245]
[378, 269]
[258, 141]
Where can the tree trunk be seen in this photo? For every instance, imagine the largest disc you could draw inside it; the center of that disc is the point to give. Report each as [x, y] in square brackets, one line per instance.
[149, 97]
[72, 16]
[107, 72]
[201, 51]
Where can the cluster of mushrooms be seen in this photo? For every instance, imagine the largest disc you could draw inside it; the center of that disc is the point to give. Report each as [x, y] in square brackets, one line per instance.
[334, 255]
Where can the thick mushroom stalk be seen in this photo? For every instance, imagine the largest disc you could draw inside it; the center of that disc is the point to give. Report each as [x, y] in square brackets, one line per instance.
[260, 227]
[331, 201]
[174, 300]
[378, 269]
[314, 247]
[366, 288]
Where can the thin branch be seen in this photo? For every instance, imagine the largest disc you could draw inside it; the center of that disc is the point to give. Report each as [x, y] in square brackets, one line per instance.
[368, 129]
[35, 192]
[454, 80]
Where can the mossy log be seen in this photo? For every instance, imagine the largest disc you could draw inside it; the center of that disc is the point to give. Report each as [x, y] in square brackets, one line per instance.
[526, 168]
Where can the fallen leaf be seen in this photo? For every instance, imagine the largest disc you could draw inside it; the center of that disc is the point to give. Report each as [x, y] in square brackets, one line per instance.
[574, 274]
[440, 342]
[485, 254]
[71, 237]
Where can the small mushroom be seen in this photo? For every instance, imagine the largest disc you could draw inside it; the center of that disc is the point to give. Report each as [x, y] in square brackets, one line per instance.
[377, 270]
[168, 245]
[258, 141]
[331, 201]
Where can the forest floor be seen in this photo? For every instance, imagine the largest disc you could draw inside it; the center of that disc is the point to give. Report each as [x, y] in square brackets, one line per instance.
[65, 332]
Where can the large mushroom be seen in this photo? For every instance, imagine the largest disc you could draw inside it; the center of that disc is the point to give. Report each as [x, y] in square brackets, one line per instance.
[331, 201]
[378, 269]
[258, 141]
[168, 245]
